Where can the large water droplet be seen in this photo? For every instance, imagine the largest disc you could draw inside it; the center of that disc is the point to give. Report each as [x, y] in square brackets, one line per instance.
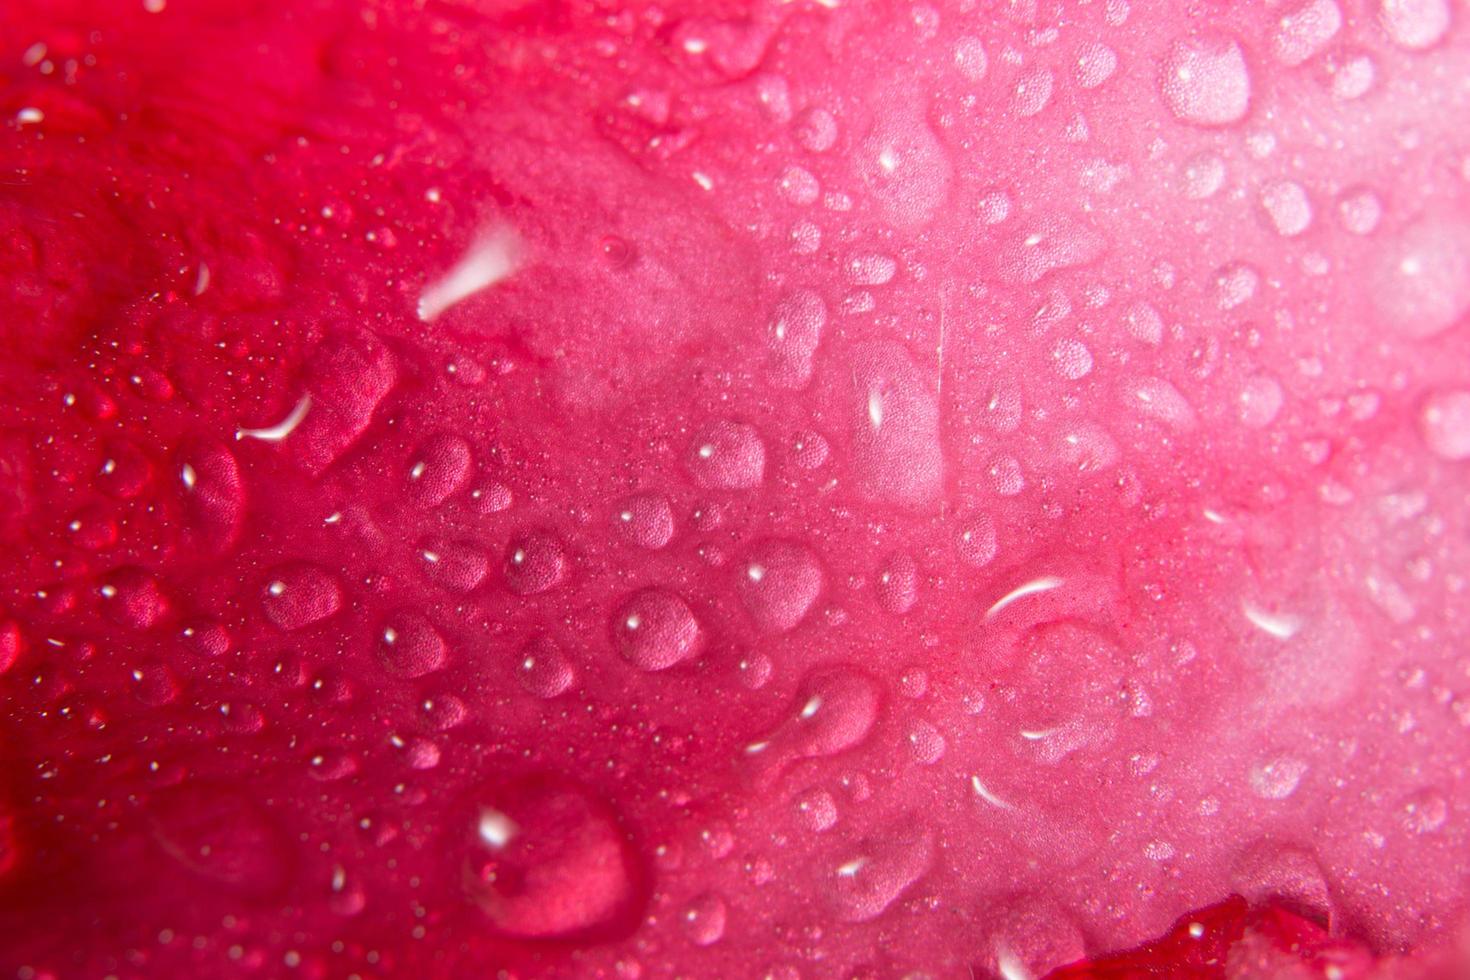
[543, 669]
[778, 583]
[1415, 24]
[1094, 64]
[654, 629]
[545, 858]
[1206, 81]
[905, 169]
[1421, 285]
[535, 562]
[459, 566]
[1277, 778]
[1444, 423]
[792, 336]
[897, 455]
[645, 520]
[897, 585]
[726, 455]
[1286, 205]
[439, 468]
[873, 876]
[704, 920]
[300, 594]
[1304, 30]
[410, 646]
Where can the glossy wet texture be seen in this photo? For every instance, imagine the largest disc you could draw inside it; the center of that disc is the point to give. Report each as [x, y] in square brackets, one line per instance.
[793, 490]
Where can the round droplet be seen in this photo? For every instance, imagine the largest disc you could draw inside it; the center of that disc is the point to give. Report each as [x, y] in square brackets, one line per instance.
[1032, 91]
[1236, 285]
[1259, 401]
[1278, 778]
[1160, 400]
[1304, 30]
[410, 646]
[1094, 64]
[1415, 24]
[1361, 210]
[439, 468]
[1421, 285]
[970, 58]
[545, 858]
[1444, 423]
[1424, 812]
[1286, 205]
[817, 810]
[978, 542]
[871, 270]
[925, 742]
[871, 878]
[817, 130]
[535, 562]
[1071, 359]
[1350, 74]
[726, 455]
[809, 449]
[1204, 174]
[798, 186]
[644, 520]
[905, 168]
[543, 669]
[654, 629]
[836, 709]
[1206, 81]
[704, 920]
[897, 584]
[779, 582]
[458, 566]
[300, 594]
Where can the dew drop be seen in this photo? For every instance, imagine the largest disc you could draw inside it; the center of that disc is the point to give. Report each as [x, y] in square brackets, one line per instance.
[897, 584]
[779, 582]
[300, 594]
[726, 455]
[410, 646]
[1304, 30]
[1259, 401]
[1421, 285]
[1287, 207]
[704, 920]
[1094, 64]
[1415, 24]
[644, 520]
[535, 562]
[654, 630]
[1278, 778]
[1360, 210]
[1032, 91]
[817, 130]
[970, 58]
[1444, 423]
[1206, 81]
[867, 881]
[543, 669]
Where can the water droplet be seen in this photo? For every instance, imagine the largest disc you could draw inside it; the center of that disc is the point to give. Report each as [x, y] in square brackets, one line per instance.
[439, 468]
[925, 743]
[1424, 812]
[817, 130]
[835, 710]
[993, 207]
[970, 58]
[726, 455]
[1304, 30]
[1206, 81]
[1072, 359]
[871, 270]
[978, 542]
[1094, 64]
[1278, 778]
[654, 629]
[543, 669]
[1444, 422]
[1235, 285]
[1421, 286]
[865, 883]
[1360, 210]
[1160, 400]
[792, 337]
[704, 920]
[300, 594]
[644, 520]
[535, 562]
[1046, 244]
[544, 858]
[897, 585]
[817, 809]
[459, 566]
[897, 456]
[779, 582]
[1415, 24]
[809, 449]
[1144, 323]
[1259, 401]
[1286, 204]
[798, 186]
[1032, 91]
[905, 168]
[410, 646]
[1350, 74]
